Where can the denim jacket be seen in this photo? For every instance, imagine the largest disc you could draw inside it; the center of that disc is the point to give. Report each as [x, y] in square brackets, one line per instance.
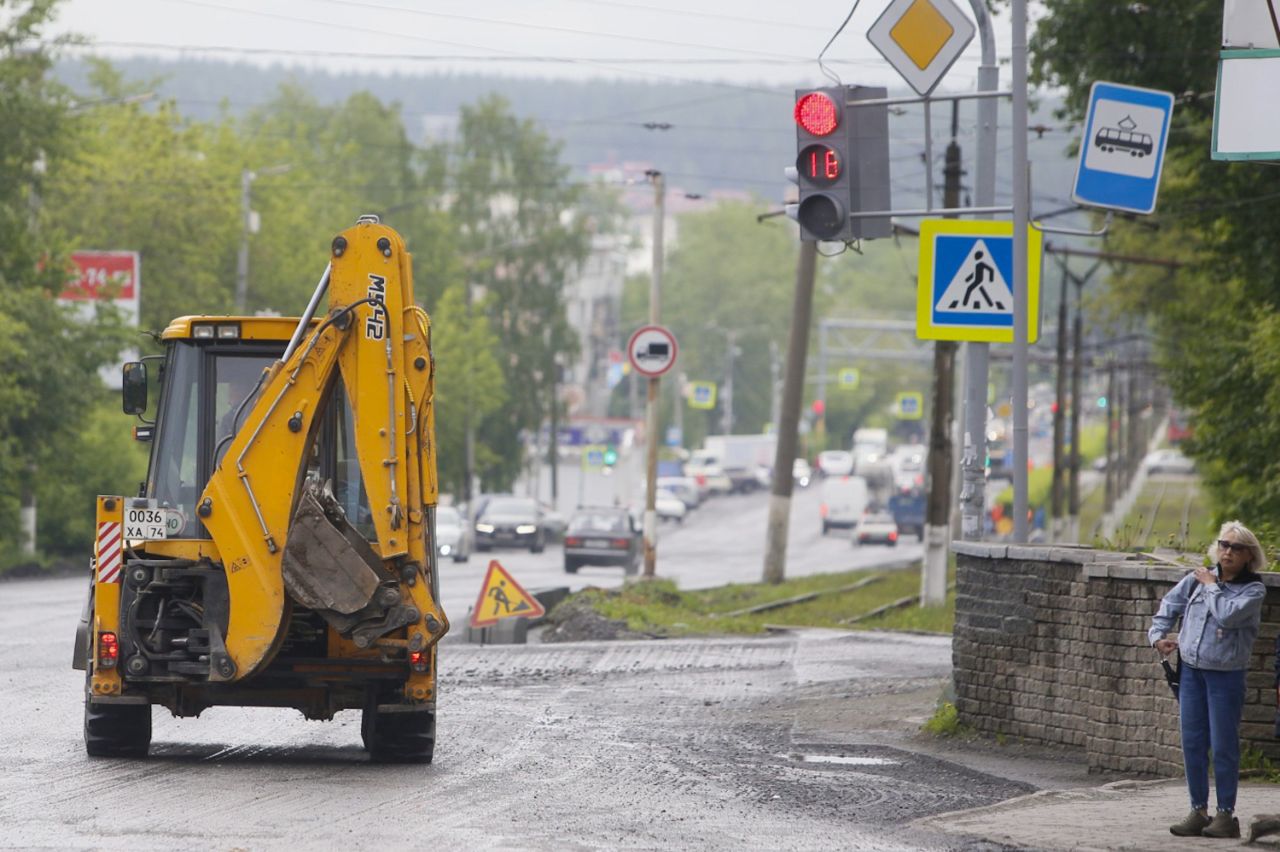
[1219, 622]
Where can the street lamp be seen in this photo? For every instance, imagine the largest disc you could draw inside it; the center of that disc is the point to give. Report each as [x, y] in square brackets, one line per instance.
[249, 225]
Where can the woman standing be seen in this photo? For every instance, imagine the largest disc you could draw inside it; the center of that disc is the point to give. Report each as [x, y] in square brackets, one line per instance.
[1221, 610]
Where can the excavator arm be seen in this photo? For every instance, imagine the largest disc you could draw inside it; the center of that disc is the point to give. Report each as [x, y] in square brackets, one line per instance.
[282, 536]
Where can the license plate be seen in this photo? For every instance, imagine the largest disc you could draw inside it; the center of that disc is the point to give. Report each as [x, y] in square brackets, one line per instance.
[597, 542]
[145, 523]
[506, 535]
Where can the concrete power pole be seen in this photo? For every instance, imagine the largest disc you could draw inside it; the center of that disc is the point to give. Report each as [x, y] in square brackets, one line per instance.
[775, 548]
[651, 412]
[1057, 528]
[246, 228]
[937, 533]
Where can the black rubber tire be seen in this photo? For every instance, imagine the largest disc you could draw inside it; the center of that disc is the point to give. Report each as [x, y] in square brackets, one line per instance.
[399, 737]
[570, 566]
[632, 568]
[538, 545]
[116, 730]
[824, 528]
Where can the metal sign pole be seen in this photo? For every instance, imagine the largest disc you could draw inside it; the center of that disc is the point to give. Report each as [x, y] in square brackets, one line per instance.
[972, 496]
[1021, 203]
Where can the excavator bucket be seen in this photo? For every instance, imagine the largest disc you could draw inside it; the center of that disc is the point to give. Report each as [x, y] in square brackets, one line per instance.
[327, 564]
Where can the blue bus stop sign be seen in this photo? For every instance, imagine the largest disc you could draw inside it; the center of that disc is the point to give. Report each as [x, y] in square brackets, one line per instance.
[1122, 149]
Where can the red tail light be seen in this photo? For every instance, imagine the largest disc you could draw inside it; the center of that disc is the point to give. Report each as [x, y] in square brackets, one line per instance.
[572, 541]
[418, 661]
[822, 510]
[108, 650]
[621, 542]
[893, 536]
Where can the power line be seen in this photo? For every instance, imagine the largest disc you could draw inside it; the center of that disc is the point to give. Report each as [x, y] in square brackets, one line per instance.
[347, 27]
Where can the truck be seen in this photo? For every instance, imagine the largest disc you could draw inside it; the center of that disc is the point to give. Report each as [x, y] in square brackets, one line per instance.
[870, 457]
[281, 552]
[908, 509]
[745, 459]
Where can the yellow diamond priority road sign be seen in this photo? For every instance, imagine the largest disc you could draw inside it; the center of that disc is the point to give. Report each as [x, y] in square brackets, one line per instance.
[921, 39]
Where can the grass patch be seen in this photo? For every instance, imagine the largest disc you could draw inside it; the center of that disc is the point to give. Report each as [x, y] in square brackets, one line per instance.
[945, 722]
[660, 608]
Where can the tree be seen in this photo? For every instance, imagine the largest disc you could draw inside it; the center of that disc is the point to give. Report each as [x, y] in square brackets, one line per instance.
[515, 210]
[469, 384]
[1215, 320]
[48, 359]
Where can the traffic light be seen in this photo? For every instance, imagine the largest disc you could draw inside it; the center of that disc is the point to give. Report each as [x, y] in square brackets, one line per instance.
[842, 163]
[822, 172]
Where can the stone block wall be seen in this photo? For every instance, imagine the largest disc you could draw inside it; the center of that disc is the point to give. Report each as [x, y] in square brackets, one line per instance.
[1050, 646]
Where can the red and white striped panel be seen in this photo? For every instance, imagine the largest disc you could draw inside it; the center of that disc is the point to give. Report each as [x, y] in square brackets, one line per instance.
[110, 552]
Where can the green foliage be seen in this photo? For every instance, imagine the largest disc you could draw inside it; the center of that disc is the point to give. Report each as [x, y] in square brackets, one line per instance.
[101, 458]
[1255, 765]
[469, 384]
[516, 218]
[659, 608]
[945, 722]
[1216, 319]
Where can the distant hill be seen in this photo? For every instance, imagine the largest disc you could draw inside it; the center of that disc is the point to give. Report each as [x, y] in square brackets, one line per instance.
[718, 137]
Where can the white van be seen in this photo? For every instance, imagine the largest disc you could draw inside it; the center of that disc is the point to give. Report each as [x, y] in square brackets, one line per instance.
[843, 500]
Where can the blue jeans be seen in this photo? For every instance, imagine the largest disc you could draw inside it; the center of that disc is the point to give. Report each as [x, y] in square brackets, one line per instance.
[1210, 704]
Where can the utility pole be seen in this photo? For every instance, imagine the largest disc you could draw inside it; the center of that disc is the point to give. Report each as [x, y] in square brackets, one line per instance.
[726, 400]
[553, 450]
[933, 575]
[1021, 215]
[1077, 329]
[775, 385]
[1059, 402]
[651, 413]
[977, 355]
[775, 548]
[1109, 489]
[246, 228]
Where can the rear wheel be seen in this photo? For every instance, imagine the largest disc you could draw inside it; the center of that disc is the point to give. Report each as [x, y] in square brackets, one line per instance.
[824, 527]
[570, 566]
[398, 737]
[116, 730]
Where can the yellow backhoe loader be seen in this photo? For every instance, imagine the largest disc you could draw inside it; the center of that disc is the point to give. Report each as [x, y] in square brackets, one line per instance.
[281, 552]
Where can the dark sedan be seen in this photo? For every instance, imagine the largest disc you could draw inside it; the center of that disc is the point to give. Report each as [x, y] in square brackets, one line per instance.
[510, 522]
[603, 536]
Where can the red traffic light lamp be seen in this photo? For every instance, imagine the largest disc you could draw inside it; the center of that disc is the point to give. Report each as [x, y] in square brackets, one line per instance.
[819, 407]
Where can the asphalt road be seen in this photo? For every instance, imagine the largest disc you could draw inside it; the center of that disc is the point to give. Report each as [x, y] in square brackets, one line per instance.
[797, 741]
[720, 542]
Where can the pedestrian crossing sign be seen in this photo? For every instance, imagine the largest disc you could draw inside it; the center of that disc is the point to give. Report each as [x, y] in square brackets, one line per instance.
[965, 289]
[502, 597]
[702, 395]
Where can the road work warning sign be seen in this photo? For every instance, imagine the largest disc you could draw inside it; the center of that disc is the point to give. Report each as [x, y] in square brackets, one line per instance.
[502, 597]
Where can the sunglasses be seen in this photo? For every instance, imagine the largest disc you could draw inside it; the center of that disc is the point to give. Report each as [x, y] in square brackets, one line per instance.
[1236, 546]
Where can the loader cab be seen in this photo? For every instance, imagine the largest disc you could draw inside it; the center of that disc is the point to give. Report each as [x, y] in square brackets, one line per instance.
[210, 378]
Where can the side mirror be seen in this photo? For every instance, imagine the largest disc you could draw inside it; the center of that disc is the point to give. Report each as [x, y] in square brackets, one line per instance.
[133, 387]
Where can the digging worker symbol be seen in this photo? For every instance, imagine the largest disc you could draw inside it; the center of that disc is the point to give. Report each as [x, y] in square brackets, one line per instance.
[982, 273]
[499, 595]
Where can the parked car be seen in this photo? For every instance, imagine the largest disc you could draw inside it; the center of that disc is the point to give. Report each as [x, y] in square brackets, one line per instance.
[684, 487]
[1168, 461]
[603, 535]
[510, 522]
[668, 506]
[843, 500]
[452, 537]
[876, 528]
[553, 521]
[835, 463]
[801, 473]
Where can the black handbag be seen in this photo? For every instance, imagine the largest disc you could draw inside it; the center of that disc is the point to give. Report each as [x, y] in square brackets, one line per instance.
[1172, 675]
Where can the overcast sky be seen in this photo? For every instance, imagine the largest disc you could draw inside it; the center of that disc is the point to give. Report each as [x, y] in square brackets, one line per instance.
[702, 40]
